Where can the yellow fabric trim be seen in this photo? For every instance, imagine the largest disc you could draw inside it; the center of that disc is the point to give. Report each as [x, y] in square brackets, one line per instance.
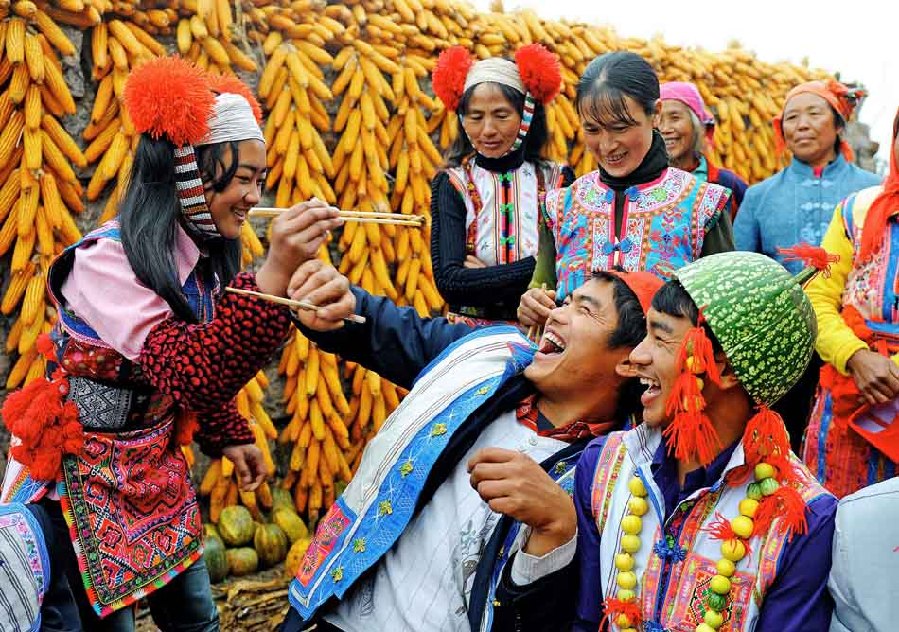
[836, 343]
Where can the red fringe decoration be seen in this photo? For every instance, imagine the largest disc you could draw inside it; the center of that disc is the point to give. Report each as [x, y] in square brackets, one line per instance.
[785, 504]
[46, 347]
[720, 528]
[765, 436]
[693, 436]
[615, 607]
[691, 432]
[448, 78]
[186, 425]
[45, 425]
[696, 345]
[230, 84]
[539, 70]
[811, 256]
[170, 97]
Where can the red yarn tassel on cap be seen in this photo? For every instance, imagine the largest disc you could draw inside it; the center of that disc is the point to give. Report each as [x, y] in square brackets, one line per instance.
[765, 436]
[811, 256]
[691, 433]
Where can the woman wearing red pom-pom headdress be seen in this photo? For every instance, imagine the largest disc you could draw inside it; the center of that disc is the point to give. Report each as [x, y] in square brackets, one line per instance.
[486, 204]
[148, 349]
[634, 211]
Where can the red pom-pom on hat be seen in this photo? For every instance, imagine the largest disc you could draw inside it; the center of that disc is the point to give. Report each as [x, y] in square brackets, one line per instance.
[222, 84]
[170, 97]
[448, 79]
[540, 72]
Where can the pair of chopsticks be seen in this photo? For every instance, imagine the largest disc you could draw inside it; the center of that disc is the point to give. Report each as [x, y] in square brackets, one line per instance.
[396, 219]
[271, 298]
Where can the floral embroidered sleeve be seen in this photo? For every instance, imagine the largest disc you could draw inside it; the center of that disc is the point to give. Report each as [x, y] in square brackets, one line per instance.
[219, 429]
[204, 366]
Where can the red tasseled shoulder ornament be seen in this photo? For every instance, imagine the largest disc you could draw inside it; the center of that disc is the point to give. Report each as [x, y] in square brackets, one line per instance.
[539, 71]
[785, 504]
[448, 79]
[170, 97]
[232, 85]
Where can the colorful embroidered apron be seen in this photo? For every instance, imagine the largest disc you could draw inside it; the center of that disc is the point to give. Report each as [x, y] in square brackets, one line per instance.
[127, 497]
[503, 213]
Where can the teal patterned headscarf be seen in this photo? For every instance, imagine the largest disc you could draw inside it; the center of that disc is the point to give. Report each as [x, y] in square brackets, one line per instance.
[760, 315]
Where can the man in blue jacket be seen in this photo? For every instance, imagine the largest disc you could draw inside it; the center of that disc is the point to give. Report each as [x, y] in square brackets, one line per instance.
[410, 545]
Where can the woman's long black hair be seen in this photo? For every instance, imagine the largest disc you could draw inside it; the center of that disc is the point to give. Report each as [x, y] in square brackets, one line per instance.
[534, 142]
[150, 212]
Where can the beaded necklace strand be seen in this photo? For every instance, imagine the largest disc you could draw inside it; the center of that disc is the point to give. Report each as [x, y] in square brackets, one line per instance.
[733, 550]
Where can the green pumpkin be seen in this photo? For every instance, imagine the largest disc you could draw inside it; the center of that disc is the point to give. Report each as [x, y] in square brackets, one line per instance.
[242, 561]
[215, 557]
[281, 498]
[271, 544]
[210, 530]
[236, 525]
[291, 523]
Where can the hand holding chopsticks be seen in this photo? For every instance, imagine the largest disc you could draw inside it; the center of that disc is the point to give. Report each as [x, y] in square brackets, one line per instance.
[352, 318]
[416, 221]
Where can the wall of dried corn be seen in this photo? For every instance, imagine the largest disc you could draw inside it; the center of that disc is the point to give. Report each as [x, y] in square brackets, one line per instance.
[350, 118]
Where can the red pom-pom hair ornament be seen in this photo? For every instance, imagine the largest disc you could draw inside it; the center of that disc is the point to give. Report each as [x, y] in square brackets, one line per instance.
[221, 84]
[448, 79]
[170, 97]
[540, 72]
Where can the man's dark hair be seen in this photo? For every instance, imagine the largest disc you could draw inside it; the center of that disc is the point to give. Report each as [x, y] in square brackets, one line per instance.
[672, 299]
[630, 331]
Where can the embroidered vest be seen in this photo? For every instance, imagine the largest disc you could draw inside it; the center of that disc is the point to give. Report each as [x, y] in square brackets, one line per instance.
[503, 230]
[674, 569]
[872, 288]
[663, 227]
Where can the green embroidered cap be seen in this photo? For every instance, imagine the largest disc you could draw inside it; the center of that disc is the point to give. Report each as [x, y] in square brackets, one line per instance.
[760, 315]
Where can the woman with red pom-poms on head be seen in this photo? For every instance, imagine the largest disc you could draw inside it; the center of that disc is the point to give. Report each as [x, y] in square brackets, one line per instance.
[148, 349]
[486, 203]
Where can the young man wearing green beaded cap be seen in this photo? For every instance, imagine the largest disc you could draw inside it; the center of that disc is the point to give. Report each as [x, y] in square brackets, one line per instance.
[701, 518]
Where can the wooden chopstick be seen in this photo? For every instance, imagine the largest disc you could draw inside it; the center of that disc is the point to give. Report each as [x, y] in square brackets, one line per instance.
[271, 298]
[350, 216]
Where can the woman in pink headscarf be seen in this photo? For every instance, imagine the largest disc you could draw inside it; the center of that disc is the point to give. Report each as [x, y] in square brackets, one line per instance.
[688, 129]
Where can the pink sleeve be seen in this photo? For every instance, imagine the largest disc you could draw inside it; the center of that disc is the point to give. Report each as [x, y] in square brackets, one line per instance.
[104, 292]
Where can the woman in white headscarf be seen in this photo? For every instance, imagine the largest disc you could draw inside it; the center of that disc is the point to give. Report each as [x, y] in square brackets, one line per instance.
[487, 202]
